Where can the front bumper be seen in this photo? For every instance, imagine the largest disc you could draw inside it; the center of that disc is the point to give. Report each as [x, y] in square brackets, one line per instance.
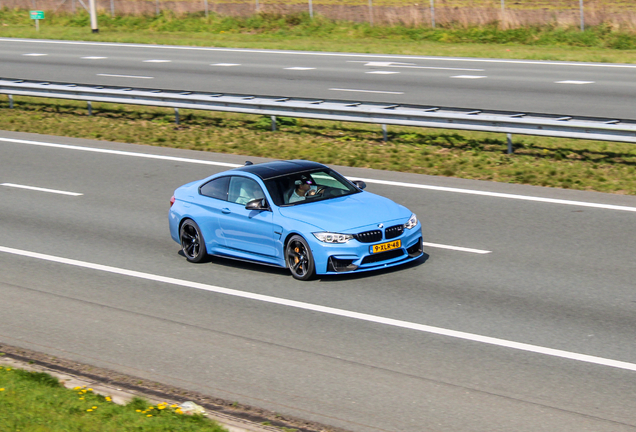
[355, 256]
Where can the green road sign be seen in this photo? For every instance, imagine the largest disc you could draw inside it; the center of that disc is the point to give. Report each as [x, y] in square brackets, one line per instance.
[36, 15]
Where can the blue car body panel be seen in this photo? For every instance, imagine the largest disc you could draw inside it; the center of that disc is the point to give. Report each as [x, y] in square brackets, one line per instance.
[230, 229]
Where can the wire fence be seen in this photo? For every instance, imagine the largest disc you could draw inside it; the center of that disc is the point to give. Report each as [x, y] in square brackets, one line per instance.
[507, 13]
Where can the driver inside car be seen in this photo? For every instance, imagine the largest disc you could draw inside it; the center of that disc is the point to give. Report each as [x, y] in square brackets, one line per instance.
[303, 187]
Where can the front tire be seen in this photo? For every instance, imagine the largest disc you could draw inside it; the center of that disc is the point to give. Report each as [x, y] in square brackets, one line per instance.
[192, 243]
[299, 259]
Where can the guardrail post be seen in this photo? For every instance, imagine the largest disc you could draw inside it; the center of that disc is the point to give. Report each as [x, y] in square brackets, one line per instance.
[176, 116]
[89, 104]
[510, 149]
[385, 136]
[273, 123]
[10, 101]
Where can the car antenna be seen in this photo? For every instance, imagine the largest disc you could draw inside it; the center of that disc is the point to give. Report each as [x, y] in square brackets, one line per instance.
[248, 163]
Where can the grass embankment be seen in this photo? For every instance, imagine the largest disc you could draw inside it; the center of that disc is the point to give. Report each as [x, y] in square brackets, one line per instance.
[297, 31]
[577, 164]
[36, 401]
[587, 165]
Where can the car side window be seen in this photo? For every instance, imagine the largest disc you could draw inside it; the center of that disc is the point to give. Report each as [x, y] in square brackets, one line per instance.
[243, 190]
[216, 188]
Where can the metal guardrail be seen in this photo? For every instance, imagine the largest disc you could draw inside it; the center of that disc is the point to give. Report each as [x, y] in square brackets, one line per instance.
[602, 129]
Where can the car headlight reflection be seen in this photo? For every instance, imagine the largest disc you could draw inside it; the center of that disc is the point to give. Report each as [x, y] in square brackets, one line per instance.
[412, 222]
[328, 237]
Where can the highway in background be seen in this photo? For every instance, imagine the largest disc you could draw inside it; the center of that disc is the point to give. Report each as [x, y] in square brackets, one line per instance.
[567, 88]
[557, 276]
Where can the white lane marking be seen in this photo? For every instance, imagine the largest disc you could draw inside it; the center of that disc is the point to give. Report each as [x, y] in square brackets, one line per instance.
[382, 63]
[34, 55]
[225, 64]
[300, 68]
[125, 76]
[320, 54]
[331, 311]
[384, 182]
[157, 61]
[366, 91]
[39, 189]
[457, 248]
[468, 76]
[574, 82]
[382, 72]
[500, 195]
[94, 58]
[410, 66]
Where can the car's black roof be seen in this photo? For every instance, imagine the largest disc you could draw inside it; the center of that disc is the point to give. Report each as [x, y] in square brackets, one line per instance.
[270, 170]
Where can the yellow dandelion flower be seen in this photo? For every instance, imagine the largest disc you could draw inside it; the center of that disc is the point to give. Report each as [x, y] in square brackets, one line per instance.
[138, 410]
[149, 415]
[90, 389]
[77, 388]
[161, 407]
[2, 389]
[178, 411]
[174, 406]
[89, 410]
[8, 369]
[81, 398]
[108, 399]
[94, 407]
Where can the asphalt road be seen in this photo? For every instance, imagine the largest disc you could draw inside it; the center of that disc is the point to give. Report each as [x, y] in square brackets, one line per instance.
[558, 275]
[582, 89]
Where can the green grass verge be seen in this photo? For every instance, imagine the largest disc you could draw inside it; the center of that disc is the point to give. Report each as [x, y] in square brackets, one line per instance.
[36, 401]
[575, 164]
[598, 44]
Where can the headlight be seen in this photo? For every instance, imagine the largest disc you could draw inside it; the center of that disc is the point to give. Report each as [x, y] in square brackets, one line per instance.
[328, 237]
[412, 222]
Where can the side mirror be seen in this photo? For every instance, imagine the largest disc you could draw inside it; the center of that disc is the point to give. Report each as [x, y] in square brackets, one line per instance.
[360, 184]
[257, 204]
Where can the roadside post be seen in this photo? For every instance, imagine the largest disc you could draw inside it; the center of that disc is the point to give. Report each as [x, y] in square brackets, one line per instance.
[37, 16]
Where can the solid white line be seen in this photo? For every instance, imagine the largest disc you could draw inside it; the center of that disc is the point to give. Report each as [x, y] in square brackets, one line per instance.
[366, 91]
[225, 64]
[384, 182]
[157, 61]
[125, 76]
[457, 248]
[34, 55]
[39, 189]
[331, 311]
[500, 195]
[321, 54]
[94, 58]
[382, 72]
[120, 153]
[300, 68]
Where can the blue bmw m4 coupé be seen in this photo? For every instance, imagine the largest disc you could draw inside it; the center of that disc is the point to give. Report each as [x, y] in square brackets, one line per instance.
[293, 214]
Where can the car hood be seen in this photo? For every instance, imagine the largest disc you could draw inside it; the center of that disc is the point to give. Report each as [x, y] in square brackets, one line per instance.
[347, 213]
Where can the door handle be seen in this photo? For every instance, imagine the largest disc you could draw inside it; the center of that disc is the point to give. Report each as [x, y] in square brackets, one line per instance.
[226, 210]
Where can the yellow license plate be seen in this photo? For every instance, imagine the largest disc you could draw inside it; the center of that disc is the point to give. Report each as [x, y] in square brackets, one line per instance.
[383, 247]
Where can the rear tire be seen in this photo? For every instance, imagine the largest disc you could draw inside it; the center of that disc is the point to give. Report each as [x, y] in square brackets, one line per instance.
[192, 242]
[300, 259]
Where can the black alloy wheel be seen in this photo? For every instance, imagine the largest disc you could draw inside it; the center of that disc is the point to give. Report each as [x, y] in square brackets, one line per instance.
[192, 243]
[299, 258]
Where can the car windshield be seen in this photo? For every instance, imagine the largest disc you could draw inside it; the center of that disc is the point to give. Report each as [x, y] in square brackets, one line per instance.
[308, 186]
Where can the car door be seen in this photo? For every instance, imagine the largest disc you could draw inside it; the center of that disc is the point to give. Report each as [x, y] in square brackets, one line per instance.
[212, 198]
[248, 231]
